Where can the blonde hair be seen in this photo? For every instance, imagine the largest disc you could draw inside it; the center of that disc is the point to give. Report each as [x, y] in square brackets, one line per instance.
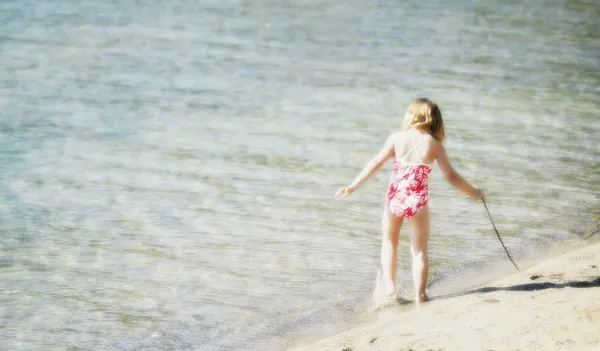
[425, 115]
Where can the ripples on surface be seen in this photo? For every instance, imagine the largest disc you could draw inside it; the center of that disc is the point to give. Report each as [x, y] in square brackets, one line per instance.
[168, 168]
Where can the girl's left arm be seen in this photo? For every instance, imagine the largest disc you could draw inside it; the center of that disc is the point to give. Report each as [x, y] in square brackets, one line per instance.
[371, 168]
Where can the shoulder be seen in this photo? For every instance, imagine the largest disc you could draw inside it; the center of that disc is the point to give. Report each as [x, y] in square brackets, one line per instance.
[394, 137]
[397, 135]
[432, 143]
[435, 145]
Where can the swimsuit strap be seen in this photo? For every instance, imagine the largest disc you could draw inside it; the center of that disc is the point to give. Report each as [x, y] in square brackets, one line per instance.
[414, 147]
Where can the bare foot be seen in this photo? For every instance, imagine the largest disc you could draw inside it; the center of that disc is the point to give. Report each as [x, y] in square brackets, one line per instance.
[384, 289]
[384, 296]
[384, 293]
[420, 299]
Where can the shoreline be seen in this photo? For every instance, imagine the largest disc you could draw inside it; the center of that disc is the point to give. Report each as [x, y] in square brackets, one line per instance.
[553, 304]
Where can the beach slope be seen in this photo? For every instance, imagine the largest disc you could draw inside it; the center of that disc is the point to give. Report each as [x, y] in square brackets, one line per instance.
[553, 305]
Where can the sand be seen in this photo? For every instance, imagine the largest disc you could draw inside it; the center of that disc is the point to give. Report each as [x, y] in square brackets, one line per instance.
[552, 305]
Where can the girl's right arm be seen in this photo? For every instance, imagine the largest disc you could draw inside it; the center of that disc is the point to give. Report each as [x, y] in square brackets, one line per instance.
[453, 177]
[371, 168]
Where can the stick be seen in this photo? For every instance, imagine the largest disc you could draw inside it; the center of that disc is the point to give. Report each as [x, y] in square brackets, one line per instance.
[498, 234]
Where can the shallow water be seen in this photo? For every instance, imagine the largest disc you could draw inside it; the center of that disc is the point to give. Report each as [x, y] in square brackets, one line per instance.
[168, 168]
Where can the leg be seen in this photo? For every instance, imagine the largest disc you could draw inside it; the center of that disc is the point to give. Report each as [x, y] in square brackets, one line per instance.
[418, 248]
[389, 250]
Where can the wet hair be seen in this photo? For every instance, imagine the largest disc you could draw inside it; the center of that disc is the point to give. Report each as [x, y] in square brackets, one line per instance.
[424, 114]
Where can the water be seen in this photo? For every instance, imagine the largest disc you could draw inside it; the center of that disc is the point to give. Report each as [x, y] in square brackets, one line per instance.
[168, 167]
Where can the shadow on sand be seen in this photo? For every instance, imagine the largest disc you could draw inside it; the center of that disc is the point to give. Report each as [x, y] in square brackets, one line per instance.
[527, 287]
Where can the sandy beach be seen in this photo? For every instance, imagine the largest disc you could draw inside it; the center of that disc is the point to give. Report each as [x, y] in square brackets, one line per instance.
[552, 305]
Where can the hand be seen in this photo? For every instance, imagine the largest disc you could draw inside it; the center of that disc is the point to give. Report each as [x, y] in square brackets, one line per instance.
[477, 195]
[345, 191]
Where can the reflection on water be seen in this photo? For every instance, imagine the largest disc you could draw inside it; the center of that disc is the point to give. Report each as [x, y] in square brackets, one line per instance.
[168, 168]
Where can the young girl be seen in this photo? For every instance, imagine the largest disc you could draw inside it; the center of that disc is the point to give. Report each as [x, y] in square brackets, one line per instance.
[414, 150]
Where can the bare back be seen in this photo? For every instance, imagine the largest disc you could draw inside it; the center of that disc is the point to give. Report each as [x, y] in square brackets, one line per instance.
[415, 147]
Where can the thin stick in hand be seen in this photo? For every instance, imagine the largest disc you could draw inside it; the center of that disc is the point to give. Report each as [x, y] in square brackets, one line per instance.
[498, 234]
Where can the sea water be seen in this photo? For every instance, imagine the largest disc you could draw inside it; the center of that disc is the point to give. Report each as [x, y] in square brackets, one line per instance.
[168, 168]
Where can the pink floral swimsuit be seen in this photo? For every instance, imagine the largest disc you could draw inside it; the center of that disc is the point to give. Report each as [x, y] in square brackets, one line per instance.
[408, 189]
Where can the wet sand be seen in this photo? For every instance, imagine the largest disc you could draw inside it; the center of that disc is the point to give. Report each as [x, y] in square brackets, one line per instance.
[552, 305]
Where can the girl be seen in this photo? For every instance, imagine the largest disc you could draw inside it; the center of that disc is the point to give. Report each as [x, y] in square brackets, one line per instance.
[414, 150]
